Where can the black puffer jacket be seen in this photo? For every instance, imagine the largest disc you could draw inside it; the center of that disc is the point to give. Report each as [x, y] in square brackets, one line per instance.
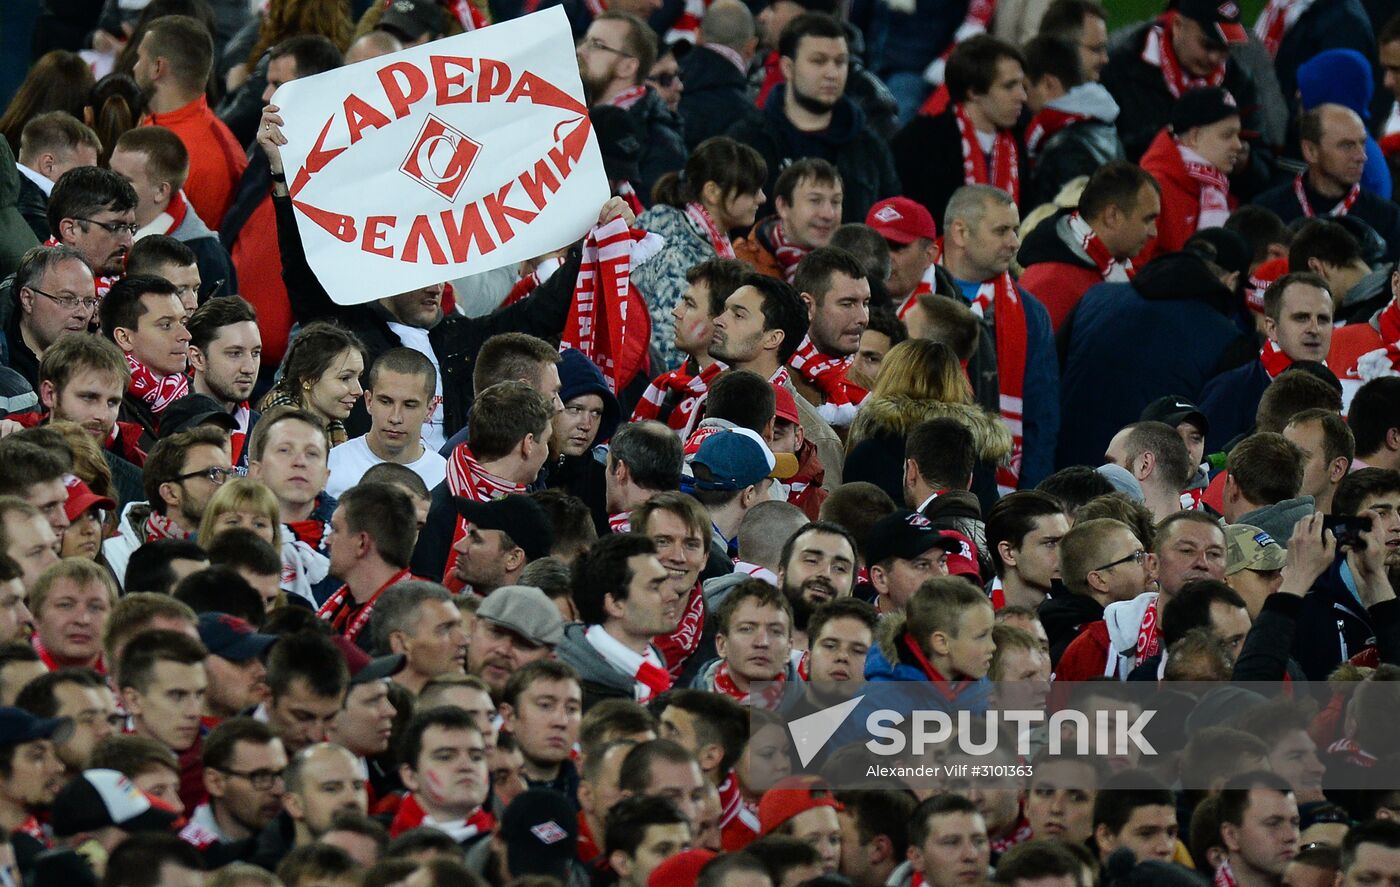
[664, 148]
[1079, 148]
[716, 94]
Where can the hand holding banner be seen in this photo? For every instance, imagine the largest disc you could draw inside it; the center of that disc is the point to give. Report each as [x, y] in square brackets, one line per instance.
[456, 157]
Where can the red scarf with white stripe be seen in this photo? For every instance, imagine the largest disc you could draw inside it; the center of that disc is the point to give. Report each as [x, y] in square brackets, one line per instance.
[1342, 208]
[1224, 875]
[1044, 125]
[608, 320]
[349, 618]
[924, 287]
[1215, 188]
[651, 679]
[680, 645]
[1110, 268]
[620, 522]
[1158, 52]
[156, 390]
[1009, 315]
[717, 236]
[1274, 359]
[731, 799]
[467, 479]
[786, 252]
[1275, 21]
[1004, 170]
[158, 526]
[826, 373]
[625, 190]
[1020, 834]
[1149, 638]
[411, 815]
[1383, 361]
[692, 390]
[242, 415]
[628, 97]
[101, 284]
[768, 698]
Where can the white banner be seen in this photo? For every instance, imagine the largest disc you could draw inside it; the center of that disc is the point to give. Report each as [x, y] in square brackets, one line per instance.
[456, 157]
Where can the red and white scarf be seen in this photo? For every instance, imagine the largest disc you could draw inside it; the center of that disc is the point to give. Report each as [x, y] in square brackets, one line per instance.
[348, 618]
[787, 253]
[691, 389]
[158, 526]
[1275, 21]
[101, 283]
[411, 815]
[648, 671]
[1149, 638]
[608, 320]
[242, 414]
[628, 97]
[706, 225]
[467, 15]
[1342, 208]
[468, 480]
[156, 390]
[681, 644]
[768, 697]
[168, 221]
[1004, 169]
[53, 664]
[527, 283]
[1215, 188]
[923, 288]
[1159, 52]
[625, 190]
[827, 374]
[1274, 359]
[1111, 269]
[1383, 361]
[1224, 875]
[1012, 338]
[731, 799]
[620, 522]
[1044, 125]
[1019, 835]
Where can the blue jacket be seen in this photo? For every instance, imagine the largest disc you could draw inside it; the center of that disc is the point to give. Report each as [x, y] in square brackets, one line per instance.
[1127, 344]
[1230, 401]
[891, 661]
[1040, 412]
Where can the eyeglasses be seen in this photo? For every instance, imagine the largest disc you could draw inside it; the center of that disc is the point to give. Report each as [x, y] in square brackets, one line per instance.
[598, 45]
[67, 303]
[665, 79]
[214, 475]
[113, 227]
[1136, 557]
[262, 780]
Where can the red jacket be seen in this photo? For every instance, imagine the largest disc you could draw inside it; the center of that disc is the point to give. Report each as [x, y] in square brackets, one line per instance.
[1059, 286]
[1349, 344]
[1086, 657]
[217, 159]
[1181, 198]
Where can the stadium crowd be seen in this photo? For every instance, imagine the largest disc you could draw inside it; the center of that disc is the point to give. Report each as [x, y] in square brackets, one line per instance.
[974, 346]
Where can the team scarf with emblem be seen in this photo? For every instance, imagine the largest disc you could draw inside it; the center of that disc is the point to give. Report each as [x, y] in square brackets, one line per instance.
[1383, 361]
[1004, 169]
[156, 390]
[706, 225]
[1110, 269]
[786, 252]
[158, 526]
[1159, 53]
[468, 480]
[628, 97]
[1044, 125]
[1215, 188]
[1275, 21]
[1149, 638]
[608, 320]
[651, 679]
[1019, 835]
[1000, 295]
[1274, 359]
[691, 389]
[681, 644]
[1342, 207]
[768, 697]
[411, 815]
[101, 283]
[348, 618]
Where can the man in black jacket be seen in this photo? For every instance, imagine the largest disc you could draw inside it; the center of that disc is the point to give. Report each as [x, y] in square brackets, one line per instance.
[811, 116]
[716, 72]
[49, 146]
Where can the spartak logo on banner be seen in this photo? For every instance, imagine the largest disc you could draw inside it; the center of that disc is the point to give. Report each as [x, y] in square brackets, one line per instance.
[443, 160]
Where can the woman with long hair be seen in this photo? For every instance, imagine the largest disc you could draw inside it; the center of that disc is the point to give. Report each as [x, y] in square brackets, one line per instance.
[719, 191]
[246, 504]
[294, 18]
[114, 106]
[59, 81]
[321, 374]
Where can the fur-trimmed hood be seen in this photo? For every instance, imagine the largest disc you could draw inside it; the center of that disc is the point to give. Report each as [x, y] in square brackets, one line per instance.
[898, 416]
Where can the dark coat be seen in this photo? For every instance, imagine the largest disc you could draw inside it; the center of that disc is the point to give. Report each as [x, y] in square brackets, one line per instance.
[1127, 344]
[1333, 626]
[455, 340]
[1077, 150]
[716, 94]
[862, 158]
[1145, 105]
[1230, 402]
[33, 204]
[664, 145]
[928, 157]
[1064, 616]
[1379, 213]
[1329, 24]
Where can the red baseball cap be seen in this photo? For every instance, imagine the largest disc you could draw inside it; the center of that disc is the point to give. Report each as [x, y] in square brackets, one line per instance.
[964, 561]
[1259, 280]
[792, 796]
[901, 220]
[787, 404]
[681, 870]
[81, 498]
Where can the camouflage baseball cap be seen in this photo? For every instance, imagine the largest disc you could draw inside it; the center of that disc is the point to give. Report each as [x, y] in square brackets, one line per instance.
[1250, 548]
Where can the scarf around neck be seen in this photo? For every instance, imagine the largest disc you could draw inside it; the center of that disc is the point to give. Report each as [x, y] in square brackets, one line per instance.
[691, 390]
[1012, 338]
[787, 253]
[1276, 20]
[1383, 361]
[647, 671]
[1110, 269]
[768, 698]
[468, 480]
[827, 374]
[1004, 169]
[1341, 208]
[1044, 125]
[1159, 52]
[1214, 185]
[710, 229]
[681, 644]
[157, 391]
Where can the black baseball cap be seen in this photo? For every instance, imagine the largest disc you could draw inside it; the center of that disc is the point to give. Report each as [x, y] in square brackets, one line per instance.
[1174, 410]
[18, 725]
[1220, 18]
[905, 535]
[412, 19]
[101, 798]
[232, 638]
[518, 516]
[1203, 106]
[194, 410]
[540, 829]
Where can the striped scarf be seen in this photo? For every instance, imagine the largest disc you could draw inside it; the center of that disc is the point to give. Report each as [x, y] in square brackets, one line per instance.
[1159, 53]
[691, 389]
[1003, 172]
[468, 480]
[1000, 296]
[608, 320]
[156, 390]
[1111, 269]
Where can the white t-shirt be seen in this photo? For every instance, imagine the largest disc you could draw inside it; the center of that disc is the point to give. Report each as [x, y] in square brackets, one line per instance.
[350, 461]
[417, 339]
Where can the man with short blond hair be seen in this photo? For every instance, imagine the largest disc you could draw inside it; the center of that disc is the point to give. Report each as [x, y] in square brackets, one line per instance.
[70, 602]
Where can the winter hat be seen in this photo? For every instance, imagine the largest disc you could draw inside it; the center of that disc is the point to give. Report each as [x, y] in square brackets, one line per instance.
[579, 375]
[1337, 77]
